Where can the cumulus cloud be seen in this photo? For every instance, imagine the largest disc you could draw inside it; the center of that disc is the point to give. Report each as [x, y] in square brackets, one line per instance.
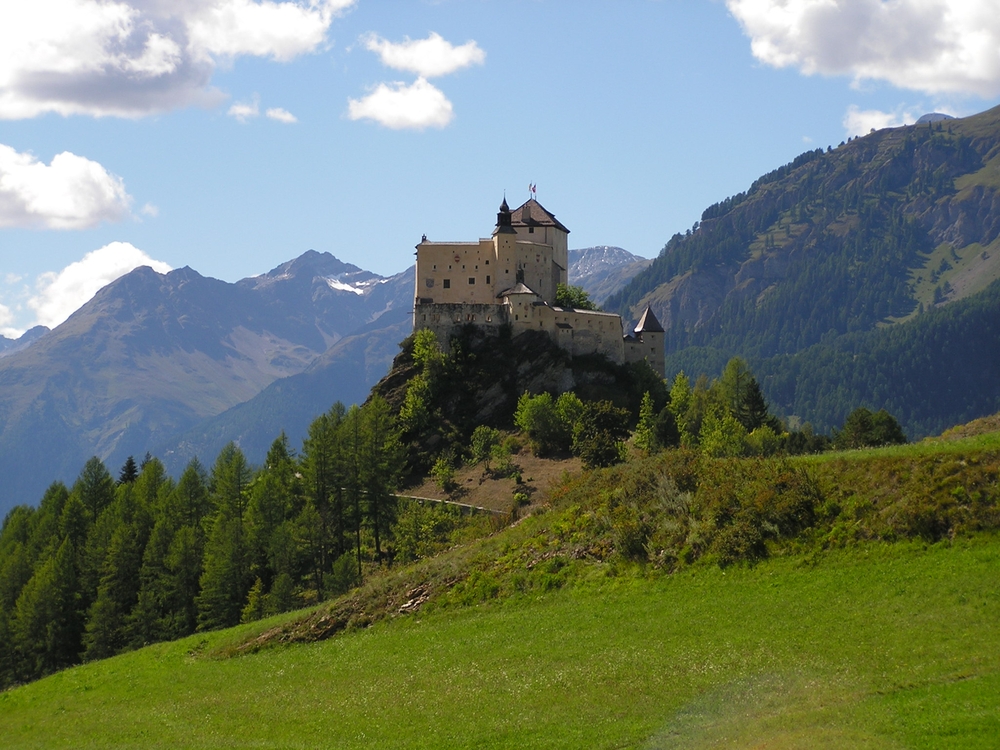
[399, 106]
[934, 46]
[6, 318]
[418, 105]
[60, 294]
[430, 57]
[862, 121]
[281, 115]
[244, 111]
[130, 58]
[71, 192]
[150, 210]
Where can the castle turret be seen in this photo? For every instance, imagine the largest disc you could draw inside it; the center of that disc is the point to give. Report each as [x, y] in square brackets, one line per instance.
[646, 342]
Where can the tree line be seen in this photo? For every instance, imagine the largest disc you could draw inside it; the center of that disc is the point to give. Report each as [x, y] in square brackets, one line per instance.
[107, 565]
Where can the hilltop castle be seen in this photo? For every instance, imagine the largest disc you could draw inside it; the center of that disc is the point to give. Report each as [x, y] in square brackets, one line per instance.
[511, 278]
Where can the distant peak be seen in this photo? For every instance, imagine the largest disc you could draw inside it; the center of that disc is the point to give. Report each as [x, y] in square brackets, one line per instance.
[933, 117]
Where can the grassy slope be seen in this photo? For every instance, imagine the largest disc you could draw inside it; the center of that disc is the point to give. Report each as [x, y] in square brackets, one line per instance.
[884, 646]
[872, 645]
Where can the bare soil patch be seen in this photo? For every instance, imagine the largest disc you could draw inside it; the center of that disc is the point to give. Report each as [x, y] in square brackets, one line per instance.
[476, 486]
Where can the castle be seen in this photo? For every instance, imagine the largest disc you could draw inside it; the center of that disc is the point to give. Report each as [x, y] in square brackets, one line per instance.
[511, 278]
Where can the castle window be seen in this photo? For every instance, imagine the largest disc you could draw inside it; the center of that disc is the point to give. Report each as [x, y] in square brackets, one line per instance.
[435, 266]
[487, 279]
[472, 280]
[516, 317]
[487, 262]
[463, 266]
[477, 268]
[531, 230]
[447, 283]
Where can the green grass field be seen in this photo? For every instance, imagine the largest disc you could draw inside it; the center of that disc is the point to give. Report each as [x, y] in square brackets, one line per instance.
[878, 646]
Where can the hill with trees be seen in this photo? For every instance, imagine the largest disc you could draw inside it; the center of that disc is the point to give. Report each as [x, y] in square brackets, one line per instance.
[875, 233]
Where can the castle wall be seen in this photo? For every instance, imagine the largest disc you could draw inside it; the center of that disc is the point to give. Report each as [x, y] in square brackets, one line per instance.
[456, 272]
[554, 238]
[445, 319]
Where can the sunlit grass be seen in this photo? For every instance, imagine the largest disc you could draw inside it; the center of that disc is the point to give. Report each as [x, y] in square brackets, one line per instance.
[883, 646]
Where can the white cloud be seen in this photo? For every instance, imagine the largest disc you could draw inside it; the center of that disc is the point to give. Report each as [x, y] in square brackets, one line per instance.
[130, 58]
[281, 115]
[6, 317]
[934, 46]
[71, 192]
[862, 121]
[12, 278]
[280, 30]
[399, 106]
[244, 111]
[430, 57]
[60, 294]
[150, 210]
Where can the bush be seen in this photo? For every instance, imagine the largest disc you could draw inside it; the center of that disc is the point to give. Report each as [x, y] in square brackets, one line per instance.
[599, 433]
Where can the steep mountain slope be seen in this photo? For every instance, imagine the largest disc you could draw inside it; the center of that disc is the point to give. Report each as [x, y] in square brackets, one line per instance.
[345, 372]
[873, 233]
[603, 270]
[26, 339]
[152, 355]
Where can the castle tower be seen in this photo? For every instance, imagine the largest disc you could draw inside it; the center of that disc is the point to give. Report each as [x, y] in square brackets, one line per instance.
[543, 248]
[646, 342]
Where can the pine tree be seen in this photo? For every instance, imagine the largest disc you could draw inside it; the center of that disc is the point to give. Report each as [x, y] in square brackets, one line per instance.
[645, 437]
[46, 625]
[224, 582]
[381, 465]
[95, 487]
[129, 471]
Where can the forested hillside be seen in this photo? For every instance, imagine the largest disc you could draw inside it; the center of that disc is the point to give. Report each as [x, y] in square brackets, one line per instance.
[873, 233]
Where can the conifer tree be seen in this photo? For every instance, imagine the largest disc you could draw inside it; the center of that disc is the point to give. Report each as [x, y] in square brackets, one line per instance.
[129, 471]
[95, 487]
[46, 626]
[645, 437]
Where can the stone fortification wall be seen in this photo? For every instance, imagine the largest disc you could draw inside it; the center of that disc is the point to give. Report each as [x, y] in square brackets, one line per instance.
[446, 319]
[648, 347]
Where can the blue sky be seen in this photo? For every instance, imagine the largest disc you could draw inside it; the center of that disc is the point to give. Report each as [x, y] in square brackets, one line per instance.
[233, 135]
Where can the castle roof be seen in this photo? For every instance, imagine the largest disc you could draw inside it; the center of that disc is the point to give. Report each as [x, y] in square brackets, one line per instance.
[518, 288]
[648, 322]
[534, 214]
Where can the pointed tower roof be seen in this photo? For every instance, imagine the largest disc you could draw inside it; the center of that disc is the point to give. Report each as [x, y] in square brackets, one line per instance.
[648, 322]
[534, 214]
[503, 219]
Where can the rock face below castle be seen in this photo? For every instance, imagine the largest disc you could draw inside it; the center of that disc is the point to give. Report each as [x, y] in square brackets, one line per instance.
[510, 279]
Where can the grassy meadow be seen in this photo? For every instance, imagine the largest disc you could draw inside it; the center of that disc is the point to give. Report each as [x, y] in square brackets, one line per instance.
[882, 646]
[849, 600]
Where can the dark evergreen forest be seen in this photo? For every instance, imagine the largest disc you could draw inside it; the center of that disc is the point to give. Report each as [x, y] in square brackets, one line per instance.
[826, 248]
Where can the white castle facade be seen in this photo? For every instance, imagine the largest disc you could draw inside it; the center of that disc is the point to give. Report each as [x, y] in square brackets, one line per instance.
[511, 278]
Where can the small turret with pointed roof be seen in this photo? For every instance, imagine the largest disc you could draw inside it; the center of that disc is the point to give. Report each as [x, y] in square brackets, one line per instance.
[503, 218]
[648, 323]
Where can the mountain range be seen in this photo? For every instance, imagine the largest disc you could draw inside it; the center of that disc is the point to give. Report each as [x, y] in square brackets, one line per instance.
[602, 270]
[178, 365]
[867, 274]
